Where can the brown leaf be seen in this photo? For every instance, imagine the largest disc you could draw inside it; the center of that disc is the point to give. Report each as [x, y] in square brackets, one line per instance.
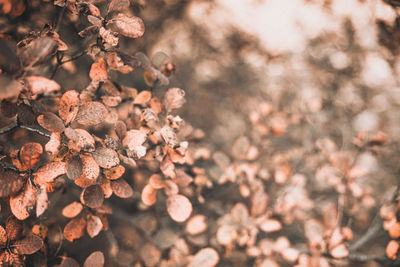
[150, 254]
[98, 71]
[10, 182]
[156, 181]
[69, 106]
[121, 188]
[75, 229]
[132, 27]
[169, 136]
[30, 154]
[174, 98]
[72, 210]
[93, 196]
[94, 225]
[9, 88]
[116, 63]
[117, 5]
[96, 259]
[168, 168]
[38, 51]
[42, 202]
[51, 122]
[23, 201]
[156, 105]
[42, 85]
[28, 245]
[106, 157]
[149, 195]
[74, 168]
[392, 248]
[49, 172]
[109, 36]
[114, 173]
[3, 236]
[206, 257]
[91, 113]
[90, 171]
[142, 98]
[179, 207]
[82, 139]
[14, 228]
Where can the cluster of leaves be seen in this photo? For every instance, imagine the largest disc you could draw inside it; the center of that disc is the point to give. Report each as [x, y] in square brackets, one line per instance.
[96, 135]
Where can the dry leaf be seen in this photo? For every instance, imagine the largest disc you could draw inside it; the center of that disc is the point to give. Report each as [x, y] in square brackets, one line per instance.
[3, 236]
[10, 182]
[72, 210]
[14, 228]
[54, 143]
[90, 171]
[106, 157]
[28, 245]
[94, 225]
[149, 195]
[114, 173]
[75, 229]
[339, 251]
[42, 202]
[69, 106]
[156, 181]
[206, 257]
[30, 155]
[98, 71]
[179, 207]
[95, 259]
[196, 225]
[38, 51]
[68, 262]
[9, 88]
[392, 248]
[93, 196]
[51, 122]
[74, 168]
[91, 113]
[132, 27]
[174, 98]
[117, 5]
[142, 98]
[24, 201]
[42, 85]
[48, 172]
[121, 188]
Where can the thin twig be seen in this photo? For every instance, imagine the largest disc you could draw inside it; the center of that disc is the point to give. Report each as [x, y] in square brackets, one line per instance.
[35, 130]
[368, 236]
[73, 57]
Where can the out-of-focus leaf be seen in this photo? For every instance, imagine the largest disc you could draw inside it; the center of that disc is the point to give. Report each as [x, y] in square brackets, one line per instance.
[38, 51]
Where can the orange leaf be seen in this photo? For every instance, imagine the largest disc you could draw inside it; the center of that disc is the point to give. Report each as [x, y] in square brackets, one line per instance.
[42, 202]
[114, 173]
[149, 195]
[142, 98]
[179, 207]
[49, 172]
[69, 106]
[23, 201]
[14, 228]
[72, 210]
[392, 248]
[90, 171]
[75, 229]
[98, 71]
[30, 154]
[196, 225]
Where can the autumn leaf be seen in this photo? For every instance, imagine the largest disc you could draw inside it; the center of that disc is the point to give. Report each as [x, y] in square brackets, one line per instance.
[28, 245]
[121, 188]
[69, 106]
[98, 71]
[206, 257]
[91, 113]
[106, 157]
[72, 210]
[42, 85]
[179, 207]
[149, 195]
[95, 259]
[21, 203]
[51, 122]
[94, 225]
[10, 182]
[174, 98]
[132, 27]
[75, 229]
[92, 196]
